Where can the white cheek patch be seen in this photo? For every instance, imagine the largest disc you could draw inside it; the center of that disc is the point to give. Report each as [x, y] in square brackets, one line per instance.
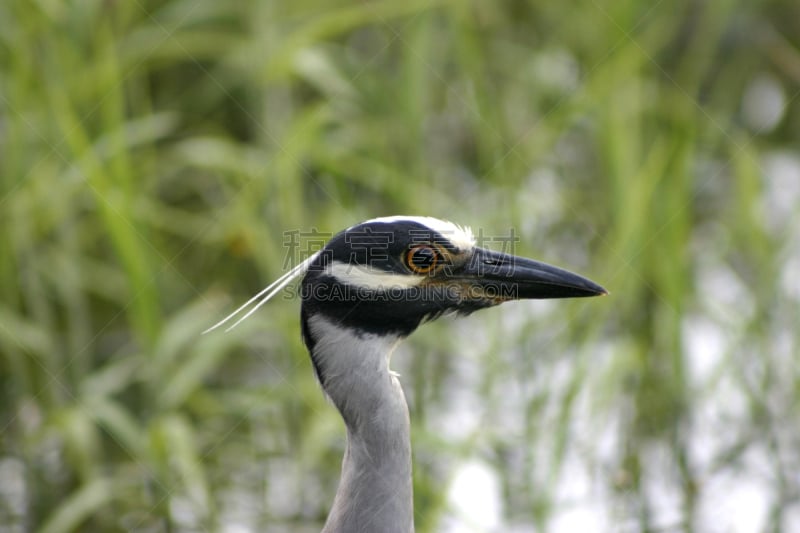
[371, 278]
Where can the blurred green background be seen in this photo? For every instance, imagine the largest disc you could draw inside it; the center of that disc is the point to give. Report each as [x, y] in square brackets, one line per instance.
[154, 153]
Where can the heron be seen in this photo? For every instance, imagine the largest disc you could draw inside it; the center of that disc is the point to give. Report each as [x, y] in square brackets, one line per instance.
[369, 288]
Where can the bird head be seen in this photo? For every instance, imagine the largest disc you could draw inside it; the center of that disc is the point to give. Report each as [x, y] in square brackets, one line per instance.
[376, 282]
[388, 275]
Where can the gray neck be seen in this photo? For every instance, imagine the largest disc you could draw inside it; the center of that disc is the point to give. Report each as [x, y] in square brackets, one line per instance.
[375, 491]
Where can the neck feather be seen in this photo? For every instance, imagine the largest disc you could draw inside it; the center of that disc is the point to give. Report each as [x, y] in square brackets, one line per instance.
[375, 491]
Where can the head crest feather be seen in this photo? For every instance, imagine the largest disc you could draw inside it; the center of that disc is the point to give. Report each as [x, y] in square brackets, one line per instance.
[270, 290]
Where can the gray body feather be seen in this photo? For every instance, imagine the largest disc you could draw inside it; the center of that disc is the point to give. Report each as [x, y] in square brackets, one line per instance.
[375, 493]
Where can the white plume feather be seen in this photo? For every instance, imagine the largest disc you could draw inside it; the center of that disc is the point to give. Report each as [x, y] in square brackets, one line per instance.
[270, 290]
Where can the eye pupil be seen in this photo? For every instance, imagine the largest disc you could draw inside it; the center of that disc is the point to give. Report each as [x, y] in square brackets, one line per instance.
[422, 259]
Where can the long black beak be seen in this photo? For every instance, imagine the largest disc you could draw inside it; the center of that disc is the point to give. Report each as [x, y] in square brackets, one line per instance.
[509, 277]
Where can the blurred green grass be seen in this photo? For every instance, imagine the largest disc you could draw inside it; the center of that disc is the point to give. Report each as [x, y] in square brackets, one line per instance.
[153, 153]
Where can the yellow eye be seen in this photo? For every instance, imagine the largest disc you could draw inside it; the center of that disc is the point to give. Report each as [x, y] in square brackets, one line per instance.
[422, 259]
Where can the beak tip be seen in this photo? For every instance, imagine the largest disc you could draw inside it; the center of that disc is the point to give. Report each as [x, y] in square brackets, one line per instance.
[593, 289]
[602, 291]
